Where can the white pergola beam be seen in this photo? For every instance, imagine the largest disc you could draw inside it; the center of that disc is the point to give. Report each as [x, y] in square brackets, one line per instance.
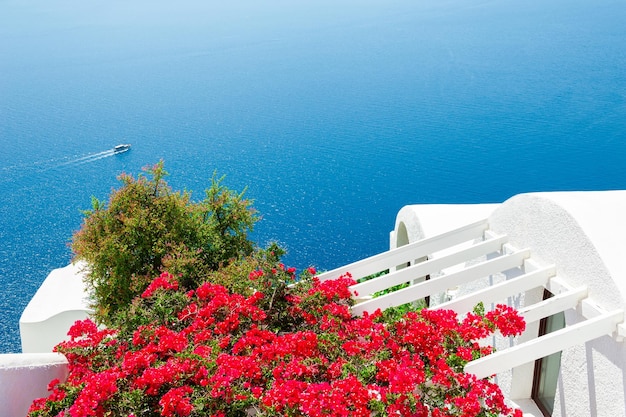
[429, 267]
[553, 305]
[543, 346]
[439, 284]
[408, 253]
[621, 332]
[500, 291]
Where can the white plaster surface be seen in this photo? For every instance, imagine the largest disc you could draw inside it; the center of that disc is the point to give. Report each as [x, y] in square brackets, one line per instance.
[25, 377]
[582, 233]
[602, 217]
[58, 303]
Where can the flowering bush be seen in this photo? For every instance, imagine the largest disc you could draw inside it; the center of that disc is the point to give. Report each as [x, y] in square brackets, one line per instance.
[146, 228]
[286, 350]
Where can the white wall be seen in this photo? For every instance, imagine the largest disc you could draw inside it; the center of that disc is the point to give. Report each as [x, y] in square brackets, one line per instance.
[25, 377]
[584, 235]
[577, 232]
[58, 303]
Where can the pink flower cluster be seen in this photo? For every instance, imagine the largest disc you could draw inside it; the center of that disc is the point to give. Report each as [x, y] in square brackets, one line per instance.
[219, 357]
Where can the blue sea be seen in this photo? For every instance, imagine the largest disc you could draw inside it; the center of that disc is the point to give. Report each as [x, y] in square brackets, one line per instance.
[333, 113]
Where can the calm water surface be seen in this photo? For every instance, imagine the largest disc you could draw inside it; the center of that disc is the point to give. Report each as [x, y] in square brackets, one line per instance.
[335, 114]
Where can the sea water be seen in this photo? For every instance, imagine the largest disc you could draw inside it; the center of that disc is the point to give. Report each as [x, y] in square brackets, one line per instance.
[333, 113]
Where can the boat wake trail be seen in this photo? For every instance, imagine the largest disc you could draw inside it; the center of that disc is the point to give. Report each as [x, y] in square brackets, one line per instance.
[14, 173]
[89, 158]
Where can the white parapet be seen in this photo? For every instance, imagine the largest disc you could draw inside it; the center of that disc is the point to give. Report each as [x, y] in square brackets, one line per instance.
[59, 302]
[25, 377]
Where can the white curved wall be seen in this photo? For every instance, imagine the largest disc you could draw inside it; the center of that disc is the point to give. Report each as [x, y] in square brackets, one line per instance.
[584, 235]
[58, 303]
[25, 377]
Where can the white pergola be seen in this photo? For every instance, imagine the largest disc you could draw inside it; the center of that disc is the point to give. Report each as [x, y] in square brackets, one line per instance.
[465, 261]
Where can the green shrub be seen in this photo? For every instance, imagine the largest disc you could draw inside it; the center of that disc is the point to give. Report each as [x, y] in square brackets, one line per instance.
[146, 228]
[260, 272]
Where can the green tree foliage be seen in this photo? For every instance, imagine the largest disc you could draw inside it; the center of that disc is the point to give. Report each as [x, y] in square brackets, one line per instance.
[146, 228]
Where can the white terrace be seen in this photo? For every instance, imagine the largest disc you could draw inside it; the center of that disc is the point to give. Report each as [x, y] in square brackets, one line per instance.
[556, 257]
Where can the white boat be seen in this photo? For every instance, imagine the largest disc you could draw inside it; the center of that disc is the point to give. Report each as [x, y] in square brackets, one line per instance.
[121, 148]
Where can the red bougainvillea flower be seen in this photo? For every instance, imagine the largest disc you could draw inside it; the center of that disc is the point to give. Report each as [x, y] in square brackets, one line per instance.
[175, 402]
[299, 353]
[165, 281]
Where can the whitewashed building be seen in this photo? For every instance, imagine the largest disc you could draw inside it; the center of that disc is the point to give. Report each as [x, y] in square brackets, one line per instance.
[559, 258]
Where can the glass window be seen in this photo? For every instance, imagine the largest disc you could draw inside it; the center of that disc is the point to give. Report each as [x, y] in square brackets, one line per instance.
[547, 368]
